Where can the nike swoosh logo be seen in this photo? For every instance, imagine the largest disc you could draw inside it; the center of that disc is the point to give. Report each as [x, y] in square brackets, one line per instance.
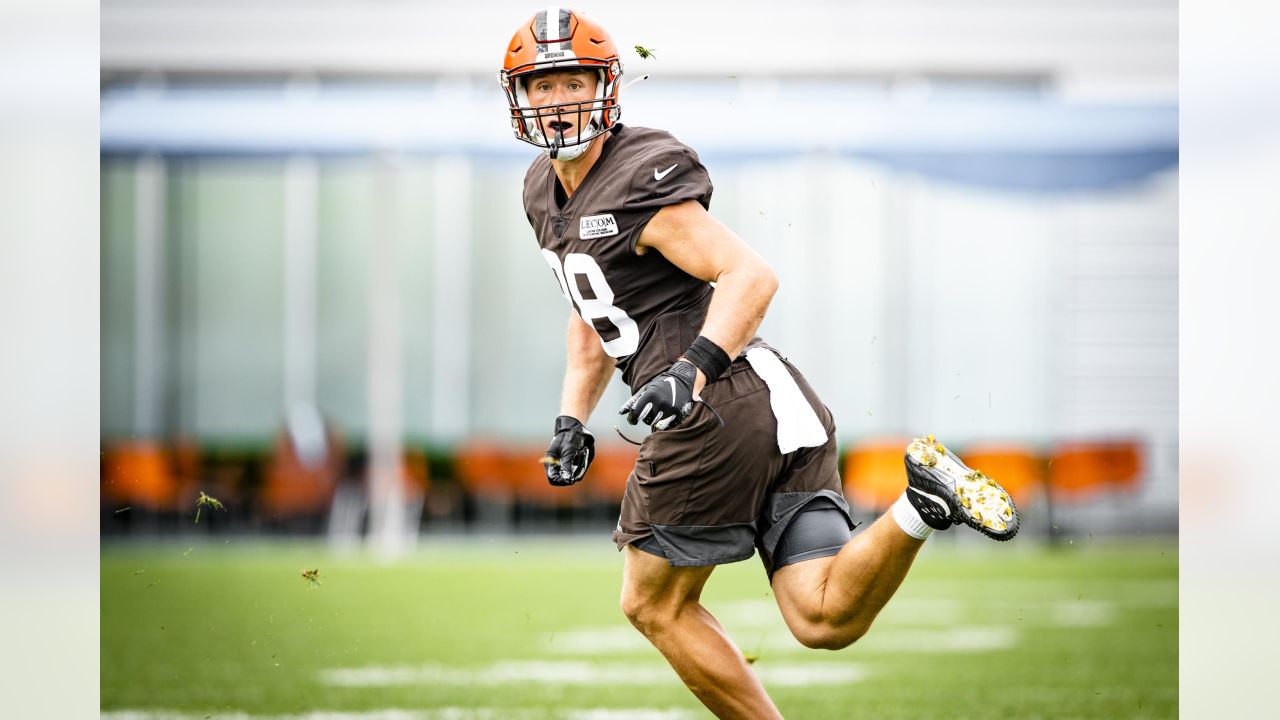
[673, 385]
[659, 175]
[946, 509]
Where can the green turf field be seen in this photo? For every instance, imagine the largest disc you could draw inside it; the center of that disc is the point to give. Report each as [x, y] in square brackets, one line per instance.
[531, 629]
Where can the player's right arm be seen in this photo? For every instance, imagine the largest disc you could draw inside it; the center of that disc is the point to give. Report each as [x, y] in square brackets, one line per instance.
[587, 373]
[587, 370]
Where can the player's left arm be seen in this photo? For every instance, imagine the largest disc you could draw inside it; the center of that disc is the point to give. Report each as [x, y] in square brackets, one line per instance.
[694, 241]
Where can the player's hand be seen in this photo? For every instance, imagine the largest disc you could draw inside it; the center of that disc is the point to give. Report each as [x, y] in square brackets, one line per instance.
[664, 401]
[571, 452]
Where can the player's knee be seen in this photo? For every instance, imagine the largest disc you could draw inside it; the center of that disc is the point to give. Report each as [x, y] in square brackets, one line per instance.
[645, 612]
[632, 607]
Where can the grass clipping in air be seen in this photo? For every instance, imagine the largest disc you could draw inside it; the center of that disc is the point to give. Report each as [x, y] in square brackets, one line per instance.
[209, 501]
[312, 577]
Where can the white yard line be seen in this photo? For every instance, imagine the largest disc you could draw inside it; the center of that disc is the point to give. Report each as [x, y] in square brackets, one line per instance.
[1082, 613]
[625, 640]
[600, 640]
[560, 672]
[914, 612]
[747, 613]
[744, 617]
[761, 613]
[575, 672]
[809, 674]
[958, 639]
[624, 714]
[1006, 592]
[445, 713]
[388, 714]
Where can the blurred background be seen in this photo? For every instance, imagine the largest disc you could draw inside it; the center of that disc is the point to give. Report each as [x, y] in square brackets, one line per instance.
[321, 302]
[322, 305]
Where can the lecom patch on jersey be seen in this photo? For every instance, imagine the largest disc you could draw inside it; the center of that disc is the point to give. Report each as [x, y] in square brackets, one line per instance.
[594, 226]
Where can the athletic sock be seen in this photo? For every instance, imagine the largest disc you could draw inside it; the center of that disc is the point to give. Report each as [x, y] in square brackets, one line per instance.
[909, 520]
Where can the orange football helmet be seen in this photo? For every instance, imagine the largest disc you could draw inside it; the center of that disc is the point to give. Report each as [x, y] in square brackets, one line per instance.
[553, 39]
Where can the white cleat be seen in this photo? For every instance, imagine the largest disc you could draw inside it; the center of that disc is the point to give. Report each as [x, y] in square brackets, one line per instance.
[947, 492]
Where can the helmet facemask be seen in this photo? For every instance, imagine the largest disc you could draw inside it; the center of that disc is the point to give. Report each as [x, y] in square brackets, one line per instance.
[590, 118]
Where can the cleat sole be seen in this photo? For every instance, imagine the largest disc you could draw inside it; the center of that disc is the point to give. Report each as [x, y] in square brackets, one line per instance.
[979, 501]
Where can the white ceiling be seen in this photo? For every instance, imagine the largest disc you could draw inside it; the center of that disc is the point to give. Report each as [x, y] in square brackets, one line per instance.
[1083, 48]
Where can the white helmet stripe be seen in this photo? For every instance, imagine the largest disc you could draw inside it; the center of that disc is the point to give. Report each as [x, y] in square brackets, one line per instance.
[552, 17]
[562, 23]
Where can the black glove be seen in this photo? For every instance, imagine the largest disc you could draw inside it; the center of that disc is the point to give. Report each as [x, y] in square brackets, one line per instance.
[571, 452]
[664, 401]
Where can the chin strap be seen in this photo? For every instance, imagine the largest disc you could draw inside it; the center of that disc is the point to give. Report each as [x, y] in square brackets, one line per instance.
[633, 82]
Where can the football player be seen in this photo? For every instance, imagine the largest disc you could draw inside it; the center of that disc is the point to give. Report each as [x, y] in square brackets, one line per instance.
[742, 456]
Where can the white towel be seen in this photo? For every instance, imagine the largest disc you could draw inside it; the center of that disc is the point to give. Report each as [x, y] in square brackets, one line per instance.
[798, 425]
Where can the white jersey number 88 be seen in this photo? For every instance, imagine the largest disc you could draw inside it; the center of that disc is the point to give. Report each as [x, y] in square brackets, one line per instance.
[600, 307]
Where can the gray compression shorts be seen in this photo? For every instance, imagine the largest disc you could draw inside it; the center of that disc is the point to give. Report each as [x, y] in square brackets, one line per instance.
[820, 529]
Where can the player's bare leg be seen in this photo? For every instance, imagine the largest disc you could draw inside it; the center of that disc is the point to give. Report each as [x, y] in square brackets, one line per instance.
[831, 602]
[662, 602]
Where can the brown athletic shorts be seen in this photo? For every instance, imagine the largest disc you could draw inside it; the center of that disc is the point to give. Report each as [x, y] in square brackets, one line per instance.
[709, 495]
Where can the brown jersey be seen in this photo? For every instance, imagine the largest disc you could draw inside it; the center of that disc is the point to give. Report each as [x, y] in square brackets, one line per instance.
[646, 310]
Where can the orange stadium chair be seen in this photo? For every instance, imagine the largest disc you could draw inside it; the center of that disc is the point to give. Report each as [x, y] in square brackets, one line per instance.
[1079, 470]
[1018, 470]
[481, 469]
[416, 474]
[874, 473]
[607, 479]
[140, 474]
[291, 487]
[185, 461]
[1122, 461]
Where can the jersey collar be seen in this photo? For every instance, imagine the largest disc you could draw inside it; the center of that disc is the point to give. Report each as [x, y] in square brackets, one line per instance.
[559, 201]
